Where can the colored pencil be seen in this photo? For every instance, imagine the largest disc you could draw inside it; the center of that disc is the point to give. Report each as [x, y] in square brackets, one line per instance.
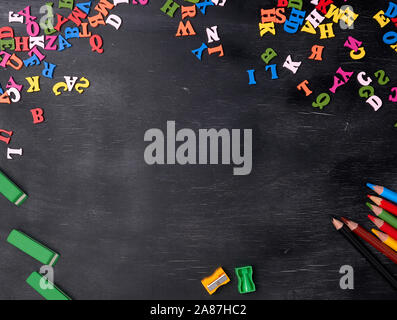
[384, 192]
[370, 239]
[365, 252]
[386, 239]
[388, 206]
[384, 226]
[383, 214]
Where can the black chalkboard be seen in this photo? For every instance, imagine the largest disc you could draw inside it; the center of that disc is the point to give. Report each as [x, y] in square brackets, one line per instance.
[127, 230]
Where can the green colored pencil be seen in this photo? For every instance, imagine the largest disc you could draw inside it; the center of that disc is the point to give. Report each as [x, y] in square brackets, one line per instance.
[383, 214]
[49, 294]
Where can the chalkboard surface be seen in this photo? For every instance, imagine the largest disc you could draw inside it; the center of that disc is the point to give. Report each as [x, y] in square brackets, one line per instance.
[127, 230]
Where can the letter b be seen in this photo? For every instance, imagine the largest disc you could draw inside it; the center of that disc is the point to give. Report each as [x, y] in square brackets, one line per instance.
[37, 115]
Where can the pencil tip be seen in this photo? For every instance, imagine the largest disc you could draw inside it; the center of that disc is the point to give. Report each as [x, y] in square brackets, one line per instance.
[337, 224]
[381, 235]
[376, 200]
[376, 221]
[371, 186]
[375, 209]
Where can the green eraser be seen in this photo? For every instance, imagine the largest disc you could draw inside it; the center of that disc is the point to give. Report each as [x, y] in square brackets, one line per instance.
[33, 248]
[52, 293]
[11, 191]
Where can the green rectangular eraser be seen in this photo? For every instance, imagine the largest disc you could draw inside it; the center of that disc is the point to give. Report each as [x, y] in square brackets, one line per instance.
[53, 293]
[33, 248]
[11, 191]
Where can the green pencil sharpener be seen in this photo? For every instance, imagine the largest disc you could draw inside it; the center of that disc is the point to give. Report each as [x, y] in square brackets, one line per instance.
[245, 282]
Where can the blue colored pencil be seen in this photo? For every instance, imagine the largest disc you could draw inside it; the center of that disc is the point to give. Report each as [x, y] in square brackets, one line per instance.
[384, 192]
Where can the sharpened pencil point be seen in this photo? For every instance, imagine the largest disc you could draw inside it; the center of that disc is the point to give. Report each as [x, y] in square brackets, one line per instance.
[371, 186]
[382, 236]
[337, 224]
[375, 200]
[375, 209]
[376, 221]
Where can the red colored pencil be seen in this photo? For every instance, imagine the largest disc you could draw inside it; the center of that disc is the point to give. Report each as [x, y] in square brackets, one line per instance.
[370, 239]
[385, 227]
[388, 206]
